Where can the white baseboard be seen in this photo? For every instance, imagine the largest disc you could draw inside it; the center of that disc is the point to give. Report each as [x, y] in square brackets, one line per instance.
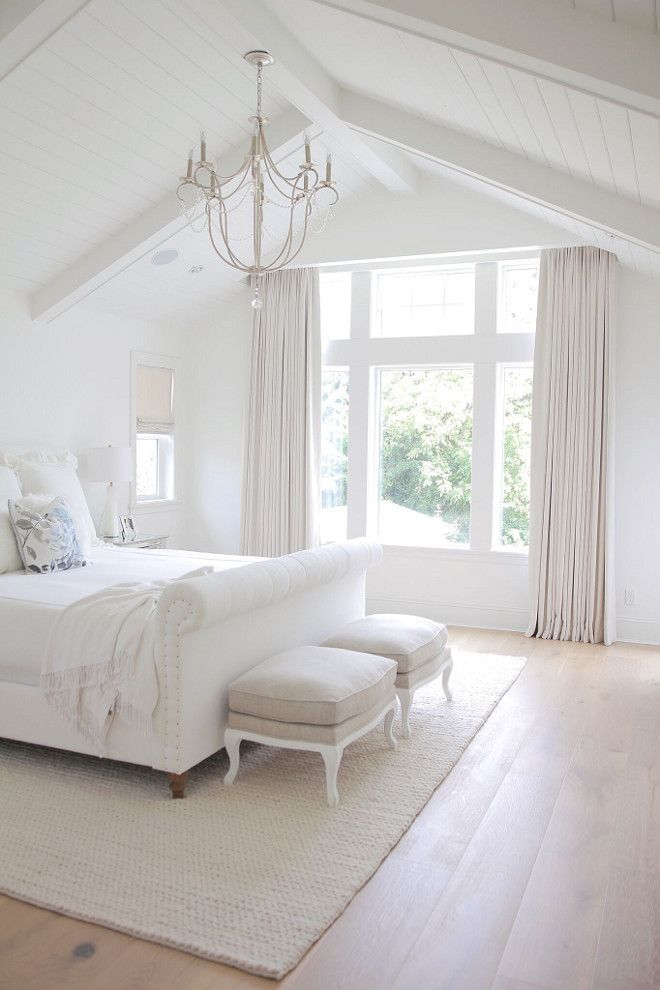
[456, 613]
[638, 631]
[645, 631]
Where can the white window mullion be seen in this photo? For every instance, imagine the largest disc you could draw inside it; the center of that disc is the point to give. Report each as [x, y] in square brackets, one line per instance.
[483, 416]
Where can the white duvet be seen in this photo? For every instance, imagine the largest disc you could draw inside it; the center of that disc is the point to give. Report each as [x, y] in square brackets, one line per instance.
[30, 603]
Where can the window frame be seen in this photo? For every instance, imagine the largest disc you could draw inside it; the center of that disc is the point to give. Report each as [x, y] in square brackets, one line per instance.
[485, 350]
[170, 463]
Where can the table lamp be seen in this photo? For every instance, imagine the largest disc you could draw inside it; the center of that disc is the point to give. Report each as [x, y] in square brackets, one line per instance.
[111, 465]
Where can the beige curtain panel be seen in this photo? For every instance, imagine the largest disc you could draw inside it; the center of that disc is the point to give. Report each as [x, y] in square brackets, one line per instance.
[154, 399]
[572, 492]
[282, 481]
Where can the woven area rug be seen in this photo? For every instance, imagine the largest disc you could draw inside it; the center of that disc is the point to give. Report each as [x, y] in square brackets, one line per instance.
[249, 875]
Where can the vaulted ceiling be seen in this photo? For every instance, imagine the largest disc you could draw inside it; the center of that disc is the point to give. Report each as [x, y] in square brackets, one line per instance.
[553, 106]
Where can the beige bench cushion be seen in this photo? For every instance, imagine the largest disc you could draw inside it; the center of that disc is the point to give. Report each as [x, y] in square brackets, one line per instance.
[329, 735]
[407, 639]
[411, 678]
[313, 684]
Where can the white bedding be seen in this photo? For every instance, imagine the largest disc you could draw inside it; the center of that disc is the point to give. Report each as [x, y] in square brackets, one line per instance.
[30, 603]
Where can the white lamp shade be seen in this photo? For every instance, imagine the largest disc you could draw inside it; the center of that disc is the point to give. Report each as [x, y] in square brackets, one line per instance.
[110, 464]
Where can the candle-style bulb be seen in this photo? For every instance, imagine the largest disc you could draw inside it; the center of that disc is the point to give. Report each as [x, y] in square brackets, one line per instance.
[202, 144]
[308, 150]
[328, 167]
[190, 165]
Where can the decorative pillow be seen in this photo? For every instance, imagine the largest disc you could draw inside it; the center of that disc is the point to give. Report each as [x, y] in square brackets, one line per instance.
[9, 488]
[60, 479]
[45, 534]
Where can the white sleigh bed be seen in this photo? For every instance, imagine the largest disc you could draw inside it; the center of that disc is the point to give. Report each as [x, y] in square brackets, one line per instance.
[209, 630]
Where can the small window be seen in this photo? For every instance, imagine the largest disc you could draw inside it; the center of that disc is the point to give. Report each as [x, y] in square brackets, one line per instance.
[334, 456]
[154, 439]
[425, 456]
[425, 303]
[519, 288]
[515, 455]
[335, 297]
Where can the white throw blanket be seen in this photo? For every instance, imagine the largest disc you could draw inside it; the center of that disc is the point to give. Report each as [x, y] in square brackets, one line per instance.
[100, 659]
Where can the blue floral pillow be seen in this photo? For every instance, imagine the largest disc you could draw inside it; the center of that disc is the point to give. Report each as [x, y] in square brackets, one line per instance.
[45, 534]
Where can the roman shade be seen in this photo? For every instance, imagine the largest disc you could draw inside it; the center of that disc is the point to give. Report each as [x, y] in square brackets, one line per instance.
[154, 399]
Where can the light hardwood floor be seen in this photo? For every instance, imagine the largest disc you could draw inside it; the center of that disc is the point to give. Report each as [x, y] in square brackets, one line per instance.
[535, 865]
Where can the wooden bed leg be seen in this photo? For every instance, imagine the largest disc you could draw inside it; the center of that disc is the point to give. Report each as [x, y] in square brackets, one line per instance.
[177, 784]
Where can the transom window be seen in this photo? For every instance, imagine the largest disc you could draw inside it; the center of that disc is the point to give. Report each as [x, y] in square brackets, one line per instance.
[426, 434]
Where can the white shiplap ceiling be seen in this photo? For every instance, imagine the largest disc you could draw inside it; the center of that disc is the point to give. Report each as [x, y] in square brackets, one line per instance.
[95, 123]
[569, 130]
[642, 14]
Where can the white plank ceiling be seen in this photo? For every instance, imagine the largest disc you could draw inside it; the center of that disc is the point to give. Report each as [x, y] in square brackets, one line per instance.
[592, 139]
[95, 125]
[97, 122]
[642, 14]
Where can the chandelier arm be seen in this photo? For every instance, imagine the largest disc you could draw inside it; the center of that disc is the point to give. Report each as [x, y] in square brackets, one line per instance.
[290, 180]
[295, 185]
[235, 262]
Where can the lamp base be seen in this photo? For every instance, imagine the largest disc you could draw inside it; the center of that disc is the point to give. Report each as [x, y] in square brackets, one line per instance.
[110, 525]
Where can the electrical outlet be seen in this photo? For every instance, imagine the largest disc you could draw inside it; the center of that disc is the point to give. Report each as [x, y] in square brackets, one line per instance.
[629, 596]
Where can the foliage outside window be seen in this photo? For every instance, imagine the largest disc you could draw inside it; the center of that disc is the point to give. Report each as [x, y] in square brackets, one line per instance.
[516, 451]
[334, 455]
[425, 456]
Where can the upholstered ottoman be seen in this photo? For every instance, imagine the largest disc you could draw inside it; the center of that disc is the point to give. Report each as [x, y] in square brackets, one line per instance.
[418, 645]
[315, 698]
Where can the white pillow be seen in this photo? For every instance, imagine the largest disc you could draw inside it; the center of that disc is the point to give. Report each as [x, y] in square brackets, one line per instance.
[10, 456]
[10, 559]
[60, 479]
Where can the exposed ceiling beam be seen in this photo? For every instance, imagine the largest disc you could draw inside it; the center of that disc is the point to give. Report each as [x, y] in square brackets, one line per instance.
[550, 39]
[27, 24]
[250, 24]
[147, 232]
[534, 182]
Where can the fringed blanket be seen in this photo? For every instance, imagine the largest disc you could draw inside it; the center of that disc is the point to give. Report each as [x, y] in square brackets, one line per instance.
[100, 660]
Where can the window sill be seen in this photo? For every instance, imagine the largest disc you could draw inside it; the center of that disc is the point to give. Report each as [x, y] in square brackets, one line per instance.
[156, 505]
[464, 554]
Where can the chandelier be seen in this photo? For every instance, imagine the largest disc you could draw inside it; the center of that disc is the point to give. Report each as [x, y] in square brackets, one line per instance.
[258, 205]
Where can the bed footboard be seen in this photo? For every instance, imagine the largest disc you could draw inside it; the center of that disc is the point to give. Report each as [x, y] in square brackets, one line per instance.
[212, 629]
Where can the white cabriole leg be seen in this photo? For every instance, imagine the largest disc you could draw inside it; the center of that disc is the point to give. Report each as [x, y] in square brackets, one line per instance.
[389, 719]
[233, 747]
[446, 674]
[332, 758]
[405, 697]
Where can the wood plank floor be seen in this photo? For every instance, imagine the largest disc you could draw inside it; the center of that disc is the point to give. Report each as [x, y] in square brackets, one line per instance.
[535, 866]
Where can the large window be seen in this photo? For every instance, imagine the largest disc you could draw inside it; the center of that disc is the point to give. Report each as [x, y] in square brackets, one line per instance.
[153, 399]
[425, 456]
[438, 451]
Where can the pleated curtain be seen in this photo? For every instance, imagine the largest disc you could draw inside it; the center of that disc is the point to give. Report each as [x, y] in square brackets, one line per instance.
[281, 478]
[572, 492]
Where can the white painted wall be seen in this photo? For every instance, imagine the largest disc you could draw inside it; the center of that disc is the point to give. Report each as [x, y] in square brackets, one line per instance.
[68, 383]
[638, 457]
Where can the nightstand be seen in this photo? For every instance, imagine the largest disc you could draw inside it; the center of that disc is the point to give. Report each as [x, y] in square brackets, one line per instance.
[142, 542]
